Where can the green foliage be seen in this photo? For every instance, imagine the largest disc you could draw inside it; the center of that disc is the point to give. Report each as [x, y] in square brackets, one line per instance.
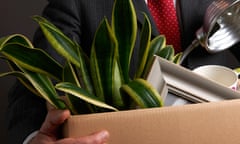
[97, 83]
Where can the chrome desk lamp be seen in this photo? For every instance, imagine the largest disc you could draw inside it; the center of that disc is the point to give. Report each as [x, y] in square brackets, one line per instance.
[221, 27]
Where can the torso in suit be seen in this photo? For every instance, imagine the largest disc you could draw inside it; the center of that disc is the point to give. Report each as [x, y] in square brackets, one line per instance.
[79, 20]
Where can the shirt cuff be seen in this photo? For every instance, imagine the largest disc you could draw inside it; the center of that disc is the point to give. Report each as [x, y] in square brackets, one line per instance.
[29, 138]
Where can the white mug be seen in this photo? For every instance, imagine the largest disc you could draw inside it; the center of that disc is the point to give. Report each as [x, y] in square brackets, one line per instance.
[220, 74]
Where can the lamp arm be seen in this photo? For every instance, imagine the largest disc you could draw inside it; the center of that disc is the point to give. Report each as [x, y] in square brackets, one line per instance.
[189, 49]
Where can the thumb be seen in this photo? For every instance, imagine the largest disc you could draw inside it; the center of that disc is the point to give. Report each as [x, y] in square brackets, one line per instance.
[100, 137]
[54, 119]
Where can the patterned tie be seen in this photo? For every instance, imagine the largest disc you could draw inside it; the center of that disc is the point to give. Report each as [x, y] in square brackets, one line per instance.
[164, 14]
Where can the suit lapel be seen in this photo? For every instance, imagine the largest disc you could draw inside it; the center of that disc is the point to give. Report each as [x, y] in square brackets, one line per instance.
[140, 6]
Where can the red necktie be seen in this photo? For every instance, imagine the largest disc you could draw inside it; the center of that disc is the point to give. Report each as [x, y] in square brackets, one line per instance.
[164, 14]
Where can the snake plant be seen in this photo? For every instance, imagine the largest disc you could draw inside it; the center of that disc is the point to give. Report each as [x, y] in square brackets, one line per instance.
[96, 83]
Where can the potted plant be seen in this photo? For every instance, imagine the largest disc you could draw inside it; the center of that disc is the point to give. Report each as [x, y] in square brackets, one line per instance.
[96, 83]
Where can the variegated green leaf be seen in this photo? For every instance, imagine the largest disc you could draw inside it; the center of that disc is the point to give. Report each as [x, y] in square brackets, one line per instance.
[37, 83]
[45, 87]
[156, 45]
[16, 38]
[59, 41]
[124, 24]
[82, 94]
[23, 80]
[84, 71]
[76, 105]
[143, 94]
[69, 49]
[15, 71]
[70, 74]
[35, 60]
[117, 99]
[144, 46]
[167, 52]
[103, 63]
[177, 58]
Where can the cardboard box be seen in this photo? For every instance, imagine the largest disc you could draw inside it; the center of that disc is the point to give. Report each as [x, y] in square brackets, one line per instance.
[216, 121]
[205, 123]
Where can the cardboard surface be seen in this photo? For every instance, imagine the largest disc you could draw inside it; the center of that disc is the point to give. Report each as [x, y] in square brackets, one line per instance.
[205, 123]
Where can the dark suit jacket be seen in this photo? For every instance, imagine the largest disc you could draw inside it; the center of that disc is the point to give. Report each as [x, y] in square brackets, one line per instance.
[79, 20]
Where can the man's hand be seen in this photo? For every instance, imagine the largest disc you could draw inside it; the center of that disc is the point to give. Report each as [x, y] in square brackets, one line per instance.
[48, 134]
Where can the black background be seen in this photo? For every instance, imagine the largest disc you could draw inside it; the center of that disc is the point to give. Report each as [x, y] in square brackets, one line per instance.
[15, 17]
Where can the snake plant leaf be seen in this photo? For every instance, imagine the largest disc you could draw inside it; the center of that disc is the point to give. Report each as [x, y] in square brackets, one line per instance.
[143, 94]
[59, 41]
[15, 71]
[69, 49]
[44, 86]
[124, 24]
[16, 38]
[35, 60]
[145, 38]
[76, 105]
[22, 40]
[156, 45]
[70, 74]
[117, 99]
[104, 66]
[38, 83]
[23, 80]
[177, 58]
[84, 71]
[82, 94]
[167, 52]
